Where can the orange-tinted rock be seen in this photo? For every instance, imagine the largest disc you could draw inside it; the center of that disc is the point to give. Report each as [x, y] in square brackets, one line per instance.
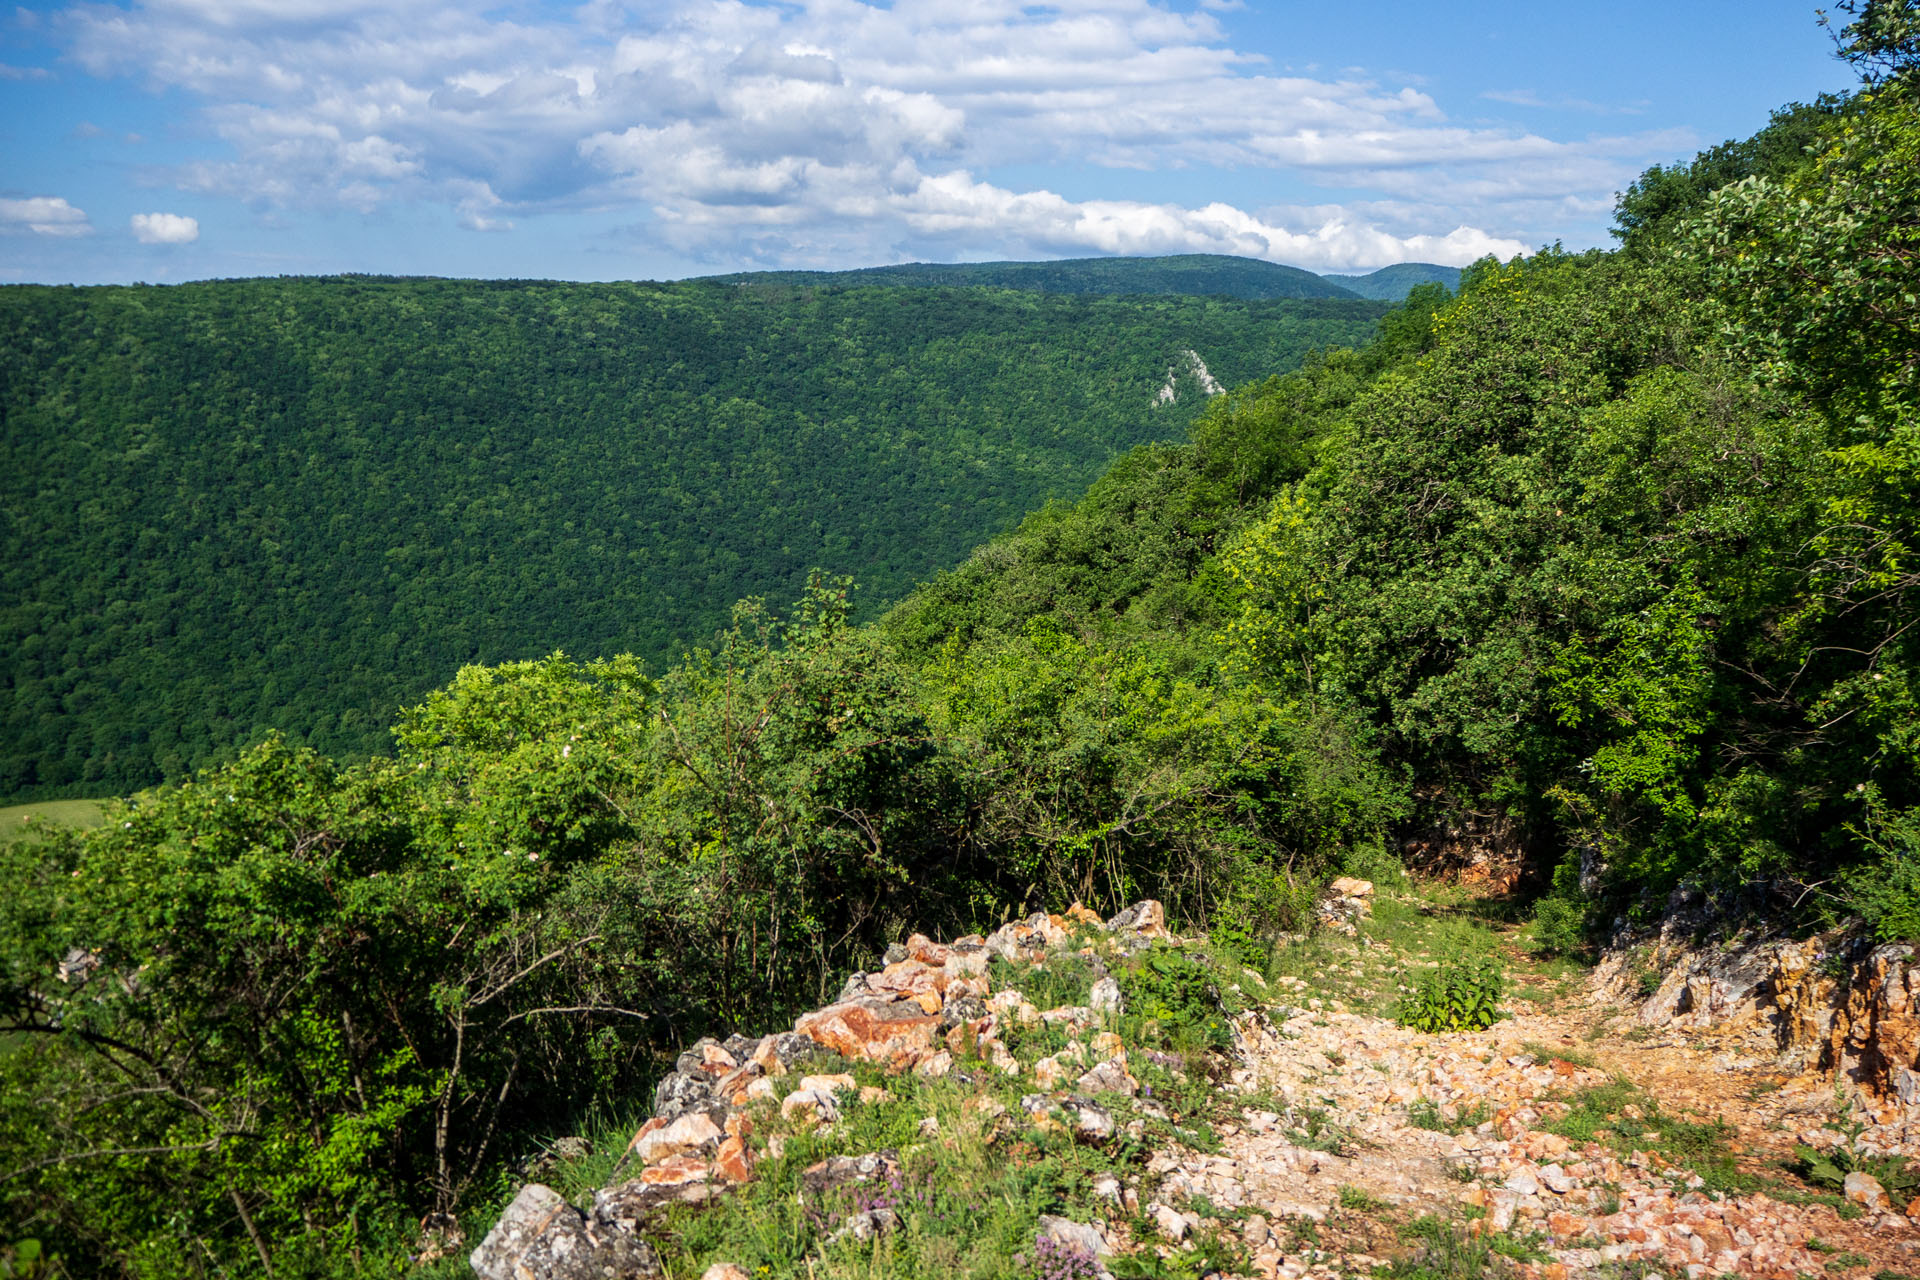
[1079, 914]
[733, 1162]
[677, 1171]
[692, 1132]
[870, 1031]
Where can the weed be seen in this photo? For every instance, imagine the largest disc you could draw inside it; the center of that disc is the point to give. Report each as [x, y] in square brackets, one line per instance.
[1312, 1130]
[1177, 990]
[1433, 1118]
[1359, 1201]
[1462, 996]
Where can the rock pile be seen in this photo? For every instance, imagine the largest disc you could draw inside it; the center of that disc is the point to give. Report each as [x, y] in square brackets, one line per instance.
[923, 1012]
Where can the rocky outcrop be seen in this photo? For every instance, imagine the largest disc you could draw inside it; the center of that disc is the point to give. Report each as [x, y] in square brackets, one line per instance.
[1833, 1003]
[922, 1012]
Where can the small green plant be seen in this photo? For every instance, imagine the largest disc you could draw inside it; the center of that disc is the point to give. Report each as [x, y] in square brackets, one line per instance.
[1829, 1169]
[1313, 1130]
[1431, 1117]
[1359, 1201]
[1462, 996]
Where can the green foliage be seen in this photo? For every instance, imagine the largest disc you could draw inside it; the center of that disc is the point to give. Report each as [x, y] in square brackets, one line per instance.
[1462, 995]
[1829, 1169]
[308, 502]
[1885, 891]
[1171, 986]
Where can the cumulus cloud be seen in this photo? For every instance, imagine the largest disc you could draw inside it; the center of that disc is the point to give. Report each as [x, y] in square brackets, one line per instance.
[165, 228]
[43, 216]
[838, 129]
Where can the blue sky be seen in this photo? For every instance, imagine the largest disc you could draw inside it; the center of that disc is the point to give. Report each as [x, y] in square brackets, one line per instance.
[168, 140]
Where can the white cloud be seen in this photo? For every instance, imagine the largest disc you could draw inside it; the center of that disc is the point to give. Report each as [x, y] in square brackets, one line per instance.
[44, 216]
[165, 228]
[840, 129]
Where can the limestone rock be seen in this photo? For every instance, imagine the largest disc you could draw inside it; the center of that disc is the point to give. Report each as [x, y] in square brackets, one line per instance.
[871, 1030]
[542, 1237]
[1106, 997]
[1146, 919]
[841, 1171]
[1083, 1236]
[1865, 1190]
[725, 1271]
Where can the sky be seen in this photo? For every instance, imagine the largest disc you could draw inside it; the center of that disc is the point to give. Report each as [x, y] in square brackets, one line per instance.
[166, 140]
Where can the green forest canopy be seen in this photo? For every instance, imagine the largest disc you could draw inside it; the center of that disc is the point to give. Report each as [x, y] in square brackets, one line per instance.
[298, 504]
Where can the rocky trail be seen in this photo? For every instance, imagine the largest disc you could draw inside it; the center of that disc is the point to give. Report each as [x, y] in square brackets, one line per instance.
[1591, 1132]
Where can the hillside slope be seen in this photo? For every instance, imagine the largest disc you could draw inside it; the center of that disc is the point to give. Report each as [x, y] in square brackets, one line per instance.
[243, 506]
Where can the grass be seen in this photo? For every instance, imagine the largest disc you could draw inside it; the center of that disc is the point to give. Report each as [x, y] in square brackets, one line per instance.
[49, 813]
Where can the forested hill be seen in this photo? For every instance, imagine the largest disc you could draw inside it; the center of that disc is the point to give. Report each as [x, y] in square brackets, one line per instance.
[1391, 284]
[298, 504]
[1198, 274]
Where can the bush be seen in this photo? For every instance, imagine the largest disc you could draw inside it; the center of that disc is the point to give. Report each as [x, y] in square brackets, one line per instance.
[1886, 891]
[1461, 996]
[1559, 926]
[1175, 989]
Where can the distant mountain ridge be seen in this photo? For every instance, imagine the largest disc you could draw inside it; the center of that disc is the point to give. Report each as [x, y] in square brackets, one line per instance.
[1391, 284]
[1190, 274]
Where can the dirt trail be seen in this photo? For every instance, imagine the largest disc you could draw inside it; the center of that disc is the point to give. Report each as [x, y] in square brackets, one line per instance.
[1360, 1127]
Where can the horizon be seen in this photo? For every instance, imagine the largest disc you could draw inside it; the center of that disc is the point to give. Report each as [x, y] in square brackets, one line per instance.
[167, 140]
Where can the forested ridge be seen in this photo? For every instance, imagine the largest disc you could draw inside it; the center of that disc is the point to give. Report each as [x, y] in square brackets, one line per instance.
[297, 504]
[1199, 274]
[1607, 561]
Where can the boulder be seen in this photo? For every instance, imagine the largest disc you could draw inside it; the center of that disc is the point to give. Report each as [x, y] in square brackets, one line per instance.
[870, 1030]
[542, 1237]
[1146, 919]
[693, 1132]
[1106, 997]
[844, 1171]
[1110, 1076]
[1865, 1190]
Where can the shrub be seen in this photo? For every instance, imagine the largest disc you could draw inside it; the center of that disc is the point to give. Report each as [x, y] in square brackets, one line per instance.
[1559, 926]
[1461, 996]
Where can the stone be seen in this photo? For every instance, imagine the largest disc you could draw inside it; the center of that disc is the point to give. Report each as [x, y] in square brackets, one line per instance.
[828, 1083]
[681, 1092]
[1864, 1190]
[812, 1104]
[693, 1132]
[866, 1226]
[935, 1067]
[1090, 1122]
[871, 1030]
[842, 1171]
[1522, 1182]
[725, 1271]
[1146, 918]
[1350, 887]
[1083, 1236]
[542, 1237]
[1109, 1077]
[733, 1161]
[1555, 1179]
[1169, 1221]
[1106, 997]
